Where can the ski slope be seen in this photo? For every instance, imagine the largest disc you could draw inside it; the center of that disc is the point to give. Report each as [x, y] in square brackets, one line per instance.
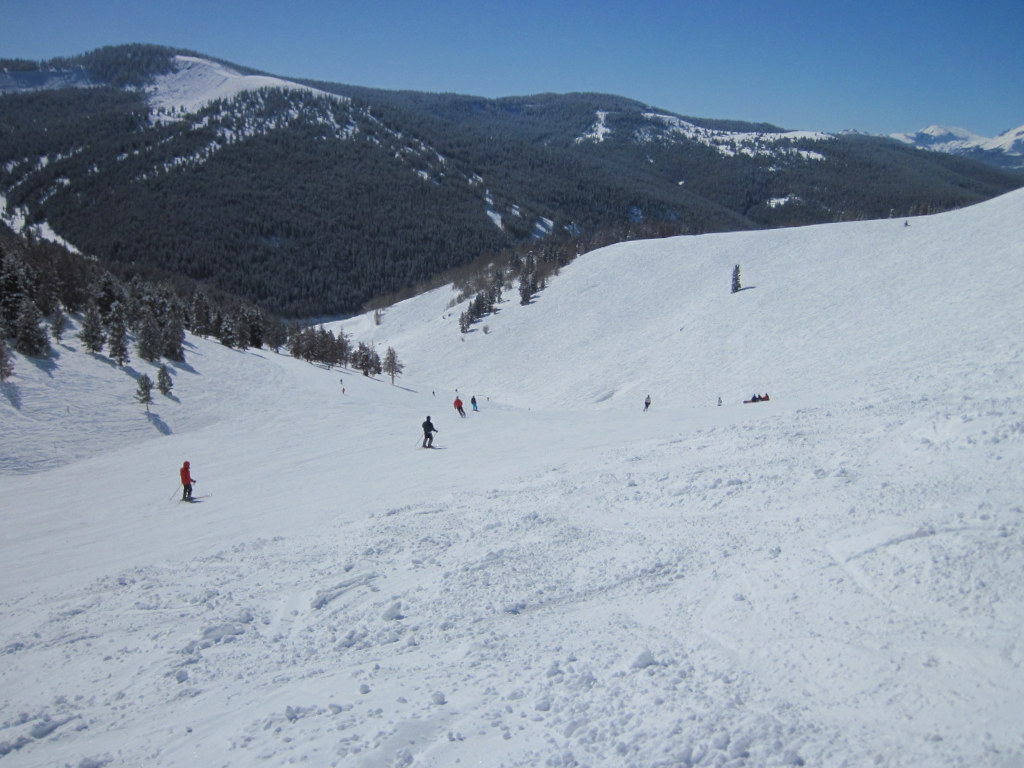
[834, 577]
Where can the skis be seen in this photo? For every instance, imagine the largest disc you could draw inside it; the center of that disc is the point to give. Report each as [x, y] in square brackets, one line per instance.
[196, 499]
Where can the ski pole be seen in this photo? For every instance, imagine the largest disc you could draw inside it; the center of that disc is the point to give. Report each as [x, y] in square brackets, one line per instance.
[174, 494]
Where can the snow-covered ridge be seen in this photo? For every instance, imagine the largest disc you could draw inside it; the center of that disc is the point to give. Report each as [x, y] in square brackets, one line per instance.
[663, 127]
[739, 143]
[196, 82]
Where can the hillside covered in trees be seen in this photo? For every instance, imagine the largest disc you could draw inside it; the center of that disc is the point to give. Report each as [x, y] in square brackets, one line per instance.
[323, 199]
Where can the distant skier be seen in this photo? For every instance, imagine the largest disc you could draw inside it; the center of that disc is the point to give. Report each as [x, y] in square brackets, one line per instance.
[472, 401]
[186, 482]
[458, 406]
[647, 402]
[428, 433]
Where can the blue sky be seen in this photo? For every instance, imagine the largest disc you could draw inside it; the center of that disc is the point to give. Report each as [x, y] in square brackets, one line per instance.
[829, 65]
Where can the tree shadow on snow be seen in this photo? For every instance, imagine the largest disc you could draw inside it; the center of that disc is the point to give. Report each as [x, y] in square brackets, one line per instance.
[12, 393]
[162, 426]
[46, 364]
[176, 366]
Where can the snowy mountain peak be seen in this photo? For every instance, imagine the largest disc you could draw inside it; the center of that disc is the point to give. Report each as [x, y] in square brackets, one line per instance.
[939, 136]
[1011, 141]
[1006, 149]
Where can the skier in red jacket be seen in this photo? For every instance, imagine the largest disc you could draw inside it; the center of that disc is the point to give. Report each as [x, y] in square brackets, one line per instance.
[458, 407]
[186, 482]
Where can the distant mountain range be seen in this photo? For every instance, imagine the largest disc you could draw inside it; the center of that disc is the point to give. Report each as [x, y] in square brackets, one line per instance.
[1004, 151]
[313, 198]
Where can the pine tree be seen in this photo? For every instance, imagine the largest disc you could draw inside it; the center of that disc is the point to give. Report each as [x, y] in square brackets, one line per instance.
[254, 319]
[344, 347]
[117, 335]
[392, 366]
[274, 334]
[144, 394]
[29, 335]
[173, 334]
[150, 339]
[58, 324]
[367, 360]
[202, 323]
[325, 347]
[527, 287]
[228, 335]
[106, 293]
[14, 287]
[361, 358]
[497, 284]
[163, 380]
[243, 332]
[6, 364]
[736, 287]
[92, 329]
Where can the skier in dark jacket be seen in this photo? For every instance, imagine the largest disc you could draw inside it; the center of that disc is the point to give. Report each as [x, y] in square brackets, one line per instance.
[186, 482]
[428, 433]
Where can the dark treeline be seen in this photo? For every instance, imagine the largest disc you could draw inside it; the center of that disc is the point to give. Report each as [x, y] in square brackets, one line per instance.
[41, 283]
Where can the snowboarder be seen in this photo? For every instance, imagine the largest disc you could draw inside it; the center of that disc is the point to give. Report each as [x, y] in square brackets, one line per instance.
[186, 482]
[428, 433]
[458, 406]
[647, 402]
[472, 401]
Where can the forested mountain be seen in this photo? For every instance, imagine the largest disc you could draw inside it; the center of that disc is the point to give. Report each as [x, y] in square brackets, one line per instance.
[316, 198]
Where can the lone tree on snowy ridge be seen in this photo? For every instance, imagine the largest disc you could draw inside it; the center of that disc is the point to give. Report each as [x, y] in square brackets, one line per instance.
[736, 287]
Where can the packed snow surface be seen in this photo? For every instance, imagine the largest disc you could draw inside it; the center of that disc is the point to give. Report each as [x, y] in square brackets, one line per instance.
[834, 577]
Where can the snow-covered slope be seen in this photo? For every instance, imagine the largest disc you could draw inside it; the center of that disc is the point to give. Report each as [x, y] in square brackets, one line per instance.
[195, 82]
[826, 311]
[834, 577]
